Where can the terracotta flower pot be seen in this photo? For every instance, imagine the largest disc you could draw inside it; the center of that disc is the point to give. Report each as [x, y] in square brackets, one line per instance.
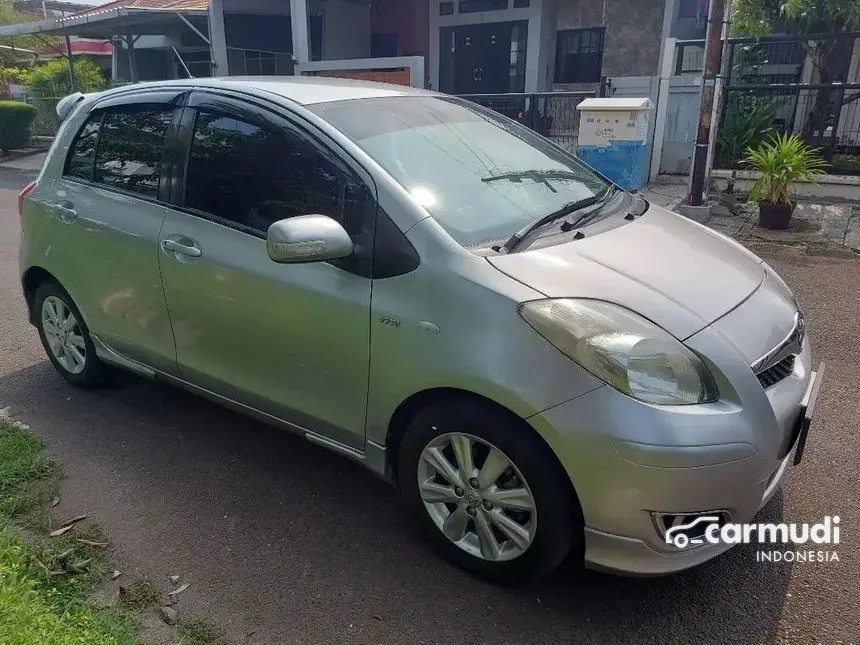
[774, 216]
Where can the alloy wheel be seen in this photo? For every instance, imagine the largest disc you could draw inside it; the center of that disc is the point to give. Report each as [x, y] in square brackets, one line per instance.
[64, 335]
[477, 497]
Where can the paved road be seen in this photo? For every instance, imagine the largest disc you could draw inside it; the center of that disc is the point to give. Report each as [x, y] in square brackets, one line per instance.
[283, 542]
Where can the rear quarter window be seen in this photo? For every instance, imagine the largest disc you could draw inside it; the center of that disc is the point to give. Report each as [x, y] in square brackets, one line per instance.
[82, 153]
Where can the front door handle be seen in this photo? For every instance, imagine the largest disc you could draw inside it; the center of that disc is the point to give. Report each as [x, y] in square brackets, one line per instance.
[65, 212]
[182, 248]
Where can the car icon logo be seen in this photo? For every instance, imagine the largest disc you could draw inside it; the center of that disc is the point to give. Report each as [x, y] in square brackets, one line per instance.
[677, 536]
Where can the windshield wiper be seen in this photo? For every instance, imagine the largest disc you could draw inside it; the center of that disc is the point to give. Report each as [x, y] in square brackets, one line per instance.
[564, 211]
[538, 176]
[584, 217]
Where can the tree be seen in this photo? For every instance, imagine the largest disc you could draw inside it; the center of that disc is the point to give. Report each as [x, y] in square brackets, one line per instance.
[831, 57]
[11, 16]
[51, 79]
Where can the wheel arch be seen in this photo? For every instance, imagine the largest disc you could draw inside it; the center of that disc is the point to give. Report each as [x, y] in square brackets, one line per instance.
[410, 407]
[30, 282]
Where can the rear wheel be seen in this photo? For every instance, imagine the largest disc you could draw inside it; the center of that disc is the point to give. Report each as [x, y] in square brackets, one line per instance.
[65, 337]
[487, 491]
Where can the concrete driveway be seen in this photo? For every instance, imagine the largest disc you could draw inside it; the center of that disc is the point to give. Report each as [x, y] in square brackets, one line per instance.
[283, 542]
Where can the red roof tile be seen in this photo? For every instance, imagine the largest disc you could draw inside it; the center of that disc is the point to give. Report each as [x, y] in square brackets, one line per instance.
[146, 4]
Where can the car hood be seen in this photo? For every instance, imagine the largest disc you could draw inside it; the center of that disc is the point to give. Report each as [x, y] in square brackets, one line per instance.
[679, 274]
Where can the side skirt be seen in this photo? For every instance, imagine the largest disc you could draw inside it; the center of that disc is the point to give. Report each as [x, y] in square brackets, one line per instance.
[373, 457]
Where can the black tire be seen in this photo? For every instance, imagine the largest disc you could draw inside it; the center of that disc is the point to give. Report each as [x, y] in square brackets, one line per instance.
[95, 373]
[559, 519]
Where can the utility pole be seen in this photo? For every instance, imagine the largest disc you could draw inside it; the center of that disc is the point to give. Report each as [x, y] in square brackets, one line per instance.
[720, 93]
[696, 196]
[73, 78]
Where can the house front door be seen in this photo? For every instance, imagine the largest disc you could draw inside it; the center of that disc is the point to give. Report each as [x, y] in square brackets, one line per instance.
[485, 58]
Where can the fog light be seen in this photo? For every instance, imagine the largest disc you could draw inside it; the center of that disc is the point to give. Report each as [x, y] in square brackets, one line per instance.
[687, 529]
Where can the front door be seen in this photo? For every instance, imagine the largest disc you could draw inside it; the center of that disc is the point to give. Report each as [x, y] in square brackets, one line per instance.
[289, 340]
[486, 58]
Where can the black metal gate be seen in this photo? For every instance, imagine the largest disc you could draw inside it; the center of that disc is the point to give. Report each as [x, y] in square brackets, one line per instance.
[770, 89]
[551, 114]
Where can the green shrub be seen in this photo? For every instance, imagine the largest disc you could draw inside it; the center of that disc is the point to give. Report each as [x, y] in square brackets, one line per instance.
[15, 121]
[51, 80]
[746, 125]
[846, 162]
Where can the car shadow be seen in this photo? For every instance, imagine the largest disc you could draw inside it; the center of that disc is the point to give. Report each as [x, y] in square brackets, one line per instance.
[284, 541]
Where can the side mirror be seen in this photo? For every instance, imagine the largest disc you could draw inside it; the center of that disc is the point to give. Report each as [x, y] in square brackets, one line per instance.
[309, 238]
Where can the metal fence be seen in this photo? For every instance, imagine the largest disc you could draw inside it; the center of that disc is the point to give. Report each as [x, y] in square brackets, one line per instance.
[551, 114]
[826, 116]
[47, 122]
[772, 59]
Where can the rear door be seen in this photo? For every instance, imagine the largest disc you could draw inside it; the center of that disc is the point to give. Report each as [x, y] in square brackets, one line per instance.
[289, 340]
[105, 205]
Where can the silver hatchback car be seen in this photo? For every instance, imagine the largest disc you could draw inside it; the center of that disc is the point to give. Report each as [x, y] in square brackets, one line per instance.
[547, 366]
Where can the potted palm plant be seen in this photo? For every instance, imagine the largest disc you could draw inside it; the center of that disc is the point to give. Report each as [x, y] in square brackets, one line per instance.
[781, 161]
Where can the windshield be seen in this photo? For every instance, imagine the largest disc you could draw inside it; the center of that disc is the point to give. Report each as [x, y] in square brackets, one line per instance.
[480, 176]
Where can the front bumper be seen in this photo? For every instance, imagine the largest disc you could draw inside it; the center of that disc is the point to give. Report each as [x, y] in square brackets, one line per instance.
[628, 460]
[632, 556]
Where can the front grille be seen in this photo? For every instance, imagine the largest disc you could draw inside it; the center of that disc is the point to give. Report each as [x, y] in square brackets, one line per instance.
[773, 375]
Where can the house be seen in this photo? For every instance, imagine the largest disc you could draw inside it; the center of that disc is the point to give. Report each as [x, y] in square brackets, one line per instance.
[465, 46]
[495, 46]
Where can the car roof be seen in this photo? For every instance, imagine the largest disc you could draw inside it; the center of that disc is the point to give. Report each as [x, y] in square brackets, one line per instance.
[306, 90]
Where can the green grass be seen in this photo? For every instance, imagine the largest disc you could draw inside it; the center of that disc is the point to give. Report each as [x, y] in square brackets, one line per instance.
[46, 583]
[35, 608]
[198, 632]
[21, 466]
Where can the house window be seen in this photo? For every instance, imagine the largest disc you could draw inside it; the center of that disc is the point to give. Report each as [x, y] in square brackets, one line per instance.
[260, 63]
[446, 8]
[579, 55]
[522, 4]
[475, 6]
[693, 8]
[199, 64]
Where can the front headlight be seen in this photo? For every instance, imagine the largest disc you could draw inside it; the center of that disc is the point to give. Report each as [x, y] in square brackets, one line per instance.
[624, 349]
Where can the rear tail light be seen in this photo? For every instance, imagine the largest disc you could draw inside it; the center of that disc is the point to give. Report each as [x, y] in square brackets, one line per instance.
[23, 194]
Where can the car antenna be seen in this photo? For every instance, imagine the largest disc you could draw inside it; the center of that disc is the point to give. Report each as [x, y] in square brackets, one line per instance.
[182, 62]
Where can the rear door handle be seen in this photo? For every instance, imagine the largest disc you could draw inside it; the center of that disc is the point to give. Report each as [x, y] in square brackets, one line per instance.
[182, 248]
[66, 212]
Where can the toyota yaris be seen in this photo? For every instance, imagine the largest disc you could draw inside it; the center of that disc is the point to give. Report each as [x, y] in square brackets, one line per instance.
[546, 365]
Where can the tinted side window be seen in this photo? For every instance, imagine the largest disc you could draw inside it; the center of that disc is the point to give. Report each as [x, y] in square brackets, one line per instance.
[254, 176]
[130, 149]
[80, 160]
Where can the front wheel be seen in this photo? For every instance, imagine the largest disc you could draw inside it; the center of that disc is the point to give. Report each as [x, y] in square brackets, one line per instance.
[488, 492]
